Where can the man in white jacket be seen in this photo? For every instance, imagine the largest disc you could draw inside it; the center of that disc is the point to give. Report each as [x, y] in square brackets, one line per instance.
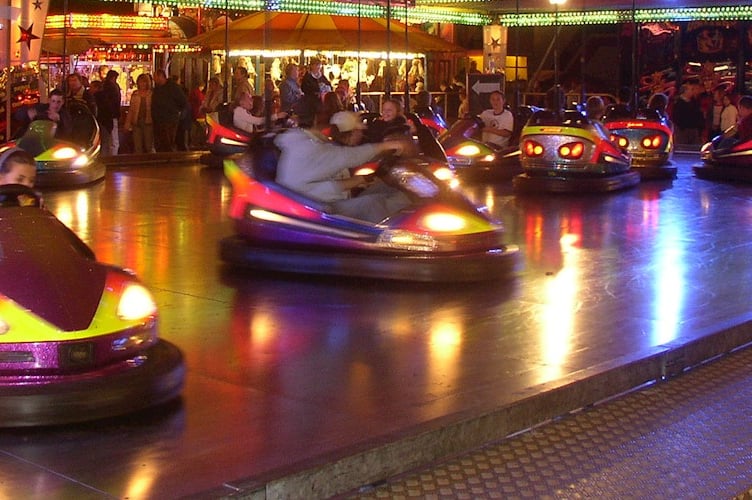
[318, 167]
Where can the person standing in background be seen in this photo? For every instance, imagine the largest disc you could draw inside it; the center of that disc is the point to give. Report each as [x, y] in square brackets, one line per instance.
[167, 103]
[687, 115]
[314, 86]
[139, 119]
[108, 113]
[290, 93]
[213, 96]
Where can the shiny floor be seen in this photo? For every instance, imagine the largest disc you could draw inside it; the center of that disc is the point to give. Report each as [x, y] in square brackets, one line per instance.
[689, 437]
[293, 383]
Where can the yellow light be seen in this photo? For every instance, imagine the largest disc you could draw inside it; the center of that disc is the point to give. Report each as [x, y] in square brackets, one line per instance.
[468, 150]
[64, 153]
[106, 21]
[136, 303]
[443, 222]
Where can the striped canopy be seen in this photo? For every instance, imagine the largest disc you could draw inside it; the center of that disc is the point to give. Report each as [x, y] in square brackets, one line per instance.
[286, 31]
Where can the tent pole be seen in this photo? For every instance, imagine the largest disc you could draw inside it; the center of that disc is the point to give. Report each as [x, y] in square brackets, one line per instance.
[358, 95]
[227, 53]
[407, 70]
[388, 75]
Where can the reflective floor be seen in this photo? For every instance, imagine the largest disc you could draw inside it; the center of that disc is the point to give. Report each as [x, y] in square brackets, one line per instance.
[287, 373]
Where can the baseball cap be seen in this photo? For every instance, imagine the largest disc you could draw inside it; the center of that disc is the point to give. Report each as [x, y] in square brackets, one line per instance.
[347, 121]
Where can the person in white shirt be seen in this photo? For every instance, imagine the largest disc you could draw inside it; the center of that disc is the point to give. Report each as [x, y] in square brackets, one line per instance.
[248, 114]
[498, 121]
[729, 113]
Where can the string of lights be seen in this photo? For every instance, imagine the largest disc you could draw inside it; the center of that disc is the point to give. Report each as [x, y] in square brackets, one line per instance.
[438, 11]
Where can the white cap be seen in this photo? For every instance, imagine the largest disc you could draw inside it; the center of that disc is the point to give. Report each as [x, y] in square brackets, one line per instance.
[347, 121]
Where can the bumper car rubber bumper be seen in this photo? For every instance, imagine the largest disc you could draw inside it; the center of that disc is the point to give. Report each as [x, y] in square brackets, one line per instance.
[721, 172]
[459, 267]
[525, 183]
[156, 377]
[62, 177]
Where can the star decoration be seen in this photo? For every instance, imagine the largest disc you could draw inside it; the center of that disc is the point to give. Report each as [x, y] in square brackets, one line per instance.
[495, 43]
[37, 4]
[27, 36]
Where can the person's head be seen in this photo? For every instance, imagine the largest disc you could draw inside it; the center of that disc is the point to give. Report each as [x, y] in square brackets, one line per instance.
[727, 99]
[257, 105]
[56, 100]
[658, 102]
[74, 83]
[292, 71]
[423, 98]
[314, 67]
[241, 73]
[95, 86]
[690, 89]
[214, 83]
[103, 69]
[112, 75]
[17, 167]
[347, 127]
[245, 101]
[745, 106]
[391, 109]
[497, 101]
[331, 104]
[595, 107]
[143, 82]
[160, 77]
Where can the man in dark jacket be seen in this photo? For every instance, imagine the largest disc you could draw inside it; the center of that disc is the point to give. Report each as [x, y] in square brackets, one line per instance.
[314, 86]
[168, 101]
[108, 113]
[687, 115]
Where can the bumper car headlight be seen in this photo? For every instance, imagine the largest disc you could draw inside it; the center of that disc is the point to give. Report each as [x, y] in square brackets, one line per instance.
[65, 153]
[469, 150]
[136, 303]
[442, 222]
[407, 240]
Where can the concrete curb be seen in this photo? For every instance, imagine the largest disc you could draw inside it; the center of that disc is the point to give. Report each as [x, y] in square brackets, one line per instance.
[373, 461]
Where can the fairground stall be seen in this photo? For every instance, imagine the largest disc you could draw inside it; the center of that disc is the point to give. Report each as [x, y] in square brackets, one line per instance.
[131, 45]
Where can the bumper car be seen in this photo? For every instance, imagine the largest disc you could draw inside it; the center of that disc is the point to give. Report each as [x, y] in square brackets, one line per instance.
[568, 153]
[441, 237]
[434, 121]
[65, 162]
[648, 137]
[78, 338]
[474, 160]
[223, 139]
[725, 159]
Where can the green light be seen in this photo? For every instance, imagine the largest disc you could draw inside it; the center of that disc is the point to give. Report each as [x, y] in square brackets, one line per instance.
[440, 11]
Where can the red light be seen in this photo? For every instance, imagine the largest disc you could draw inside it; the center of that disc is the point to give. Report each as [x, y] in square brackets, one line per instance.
[652, 142]
[572, 150]
[620, 141]
[532, 148]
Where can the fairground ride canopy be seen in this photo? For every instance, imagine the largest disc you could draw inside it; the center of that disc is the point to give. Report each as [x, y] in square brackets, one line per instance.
[277, 31]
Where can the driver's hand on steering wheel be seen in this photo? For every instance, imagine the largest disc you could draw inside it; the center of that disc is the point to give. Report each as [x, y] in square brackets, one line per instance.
[401, 147]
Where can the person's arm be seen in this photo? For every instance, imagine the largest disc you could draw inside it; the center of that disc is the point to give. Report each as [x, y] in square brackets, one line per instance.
[242, 119]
